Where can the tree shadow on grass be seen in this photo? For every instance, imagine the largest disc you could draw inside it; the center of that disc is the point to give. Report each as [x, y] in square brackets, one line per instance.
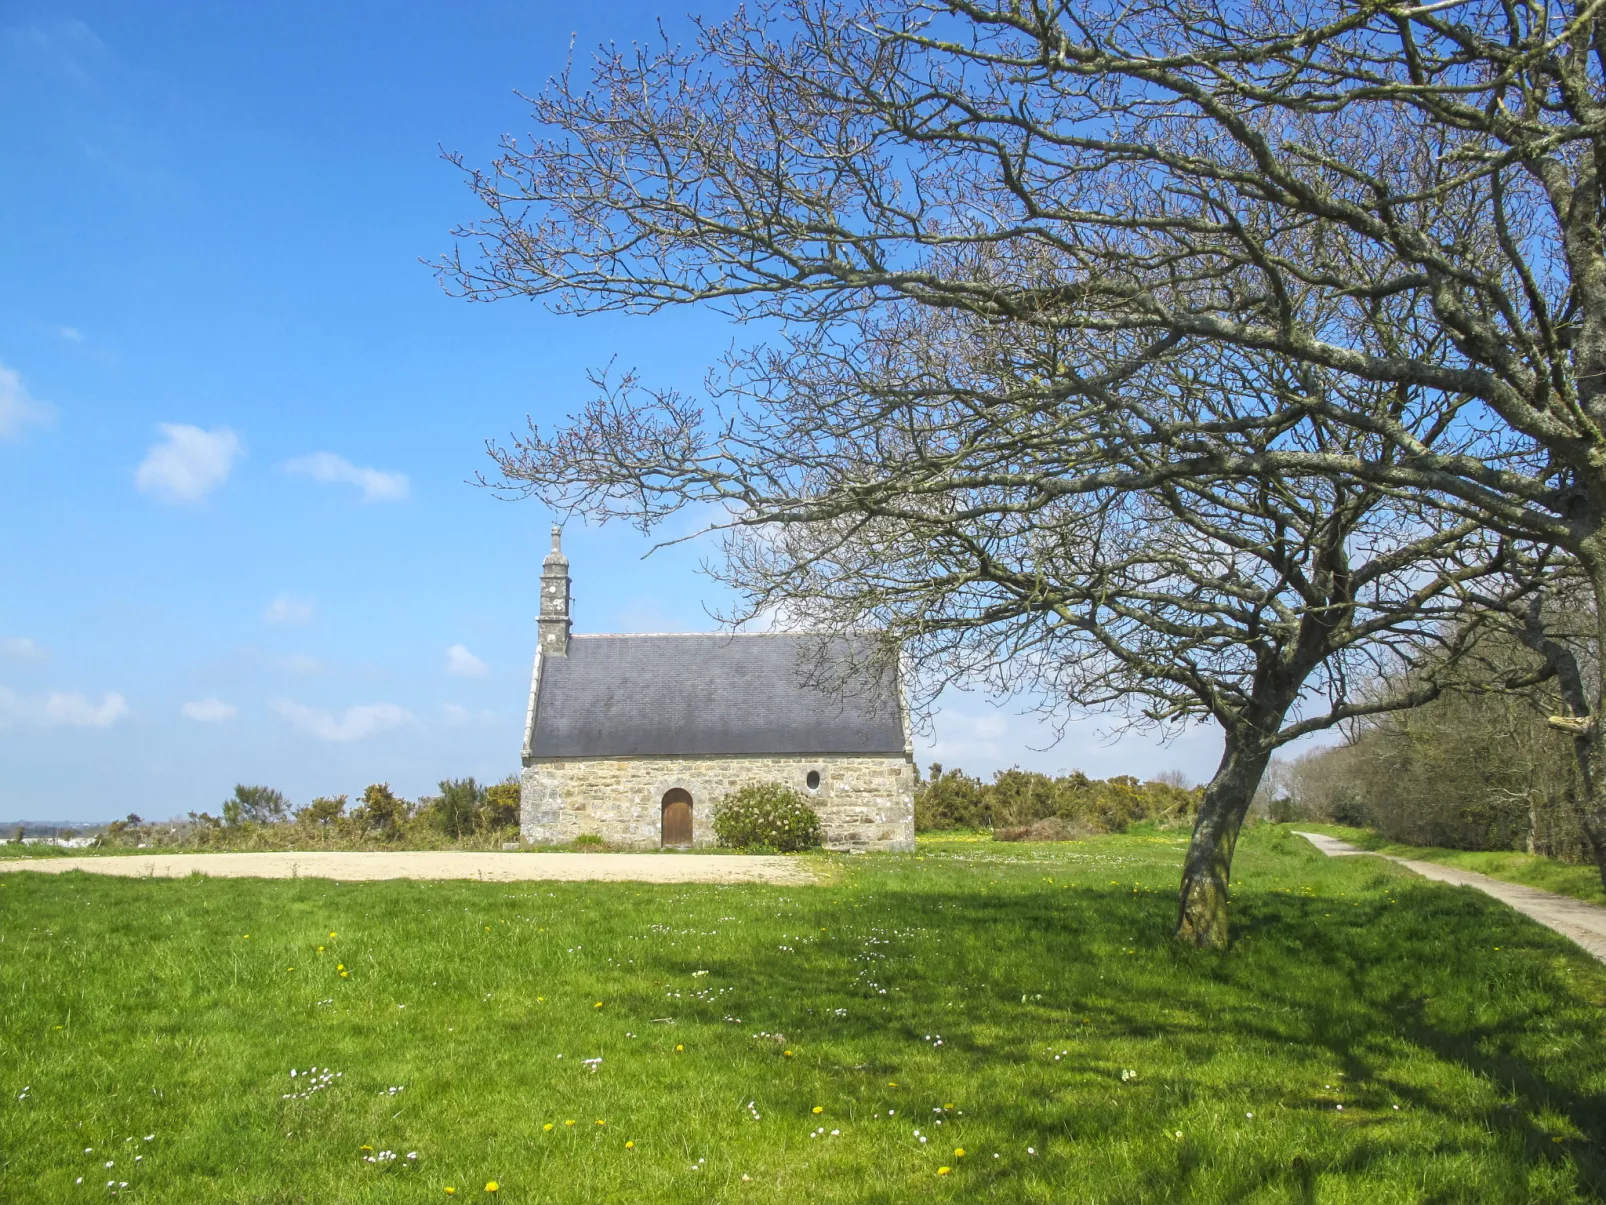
[1363, 986]
[1405, 1000]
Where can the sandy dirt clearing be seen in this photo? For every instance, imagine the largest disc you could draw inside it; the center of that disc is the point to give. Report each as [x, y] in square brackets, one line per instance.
[440, 864]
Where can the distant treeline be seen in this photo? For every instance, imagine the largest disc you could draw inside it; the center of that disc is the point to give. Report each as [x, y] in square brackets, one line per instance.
[1016, 799]
[1476, 769]
[465, 813]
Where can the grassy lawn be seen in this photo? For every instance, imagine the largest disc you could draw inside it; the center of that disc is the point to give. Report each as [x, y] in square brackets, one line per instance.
[1580, 882]
[1372, 1037]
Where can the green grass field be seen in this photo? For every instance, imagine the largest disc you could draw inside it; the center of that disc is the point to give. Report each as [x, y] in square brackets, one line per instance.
[1547, 874]
[1371, 1037]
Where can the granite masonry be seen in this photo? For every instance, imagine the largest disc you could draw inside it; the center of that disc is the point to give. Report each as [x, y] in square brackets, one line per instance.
[627, 733]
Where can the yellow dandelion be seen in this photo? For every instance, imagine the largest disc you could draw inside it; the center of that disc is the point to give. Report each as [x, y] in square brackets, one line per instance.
[568, 1123]
[340, 966]
[598, 1004]
[540, 999]
[450, 1191]
[630, 1146]
[943, 1171]
[320, 949]
[491, 1186]
[959, 1152]
[890, 1084]
[345, 974]
[600, 1122]
[547, 1128]
[365, 1148]
[787, 1053]
[679, 1048]
[247, 937]
[819, 1108]
[332, 933]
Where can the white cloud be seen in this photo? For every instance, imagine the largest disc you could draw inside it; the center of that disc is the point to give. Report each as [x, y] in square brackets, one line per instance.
[62, 708]
[18, 408]
[79, 712]
[209, 711]
[71, 333]
[285, 609]
[189, 464]
[357, 723]
[464, 664]
[376, 485]
[22, 648]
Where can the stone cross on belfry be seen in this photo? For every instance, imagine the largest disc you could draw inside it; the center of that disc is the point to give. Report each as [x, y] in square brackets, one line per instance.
[554, 620]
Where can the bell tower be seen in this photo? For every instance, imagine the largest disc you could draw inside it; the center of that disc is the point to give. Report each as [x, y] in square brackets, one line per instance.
[554, 621]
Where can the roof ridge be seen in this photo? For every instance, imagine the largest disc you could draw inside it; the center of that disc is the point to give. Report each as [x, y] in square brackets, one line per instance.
[709, 635]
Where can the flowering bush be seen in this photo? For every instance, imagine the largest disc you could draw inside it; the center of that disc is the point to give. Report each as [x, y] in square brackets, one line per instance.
[767, 814]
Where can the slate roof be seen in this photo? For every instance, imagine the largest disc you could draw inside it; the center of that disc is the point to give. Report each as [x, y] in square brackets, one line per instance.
[702, 695]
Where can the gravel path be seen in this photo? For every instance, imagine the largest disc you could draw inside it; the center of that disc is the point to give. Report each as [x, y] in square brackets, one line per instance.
[1583, 922]
[440, 864]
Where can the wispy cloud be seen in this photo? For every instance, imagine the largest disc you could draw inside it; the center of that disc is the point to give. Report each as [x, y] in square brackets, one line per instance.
[70, 333]
[285, 609]
[79, 712]
[376, 484]
[22, 648]
[464, 664]
[189, 463]
[209, 711]
[62, 709]
[19, 408]
[303, 664]
[355, 724]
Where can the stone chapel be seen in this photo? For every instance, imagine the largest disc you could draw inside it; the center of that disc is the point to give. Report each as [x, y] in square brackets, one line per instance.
[635, 737]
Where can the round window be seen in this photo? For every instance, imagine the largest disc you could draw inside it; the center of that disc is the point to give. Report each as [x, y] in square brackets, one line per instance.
[814, 780]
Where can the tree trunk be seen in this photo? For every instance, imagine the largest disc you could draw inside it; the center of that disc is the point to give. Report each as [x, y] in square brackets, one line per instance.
[1207, 870]
[1590, 752]
[1589, 749]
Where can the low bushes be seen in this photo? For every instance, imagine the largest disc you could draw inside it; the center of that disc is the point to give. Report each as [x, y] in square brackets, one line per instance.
[1017, 799]
[465, 814]
[1051, 828]
[766, 816]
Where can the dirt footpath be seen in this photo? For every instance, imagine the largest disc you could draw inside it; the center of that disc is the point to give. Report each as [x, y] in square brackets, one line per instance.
[439, 864]
[1583, 922]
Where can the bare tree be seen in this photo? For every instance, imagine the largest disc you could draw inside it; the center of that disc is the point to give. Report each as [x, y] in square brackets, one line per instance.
[922, 480]
[1398, 205]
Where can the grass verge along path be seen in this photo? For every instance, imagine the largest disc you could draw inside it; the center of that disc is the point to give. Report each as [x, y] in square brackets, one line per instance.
[1531, 870]
[972, 1022]
[1582, 923]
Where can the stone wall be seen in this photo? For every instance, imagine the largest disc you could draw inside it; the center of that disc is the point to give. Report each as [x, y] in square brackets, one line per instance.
[863, 802]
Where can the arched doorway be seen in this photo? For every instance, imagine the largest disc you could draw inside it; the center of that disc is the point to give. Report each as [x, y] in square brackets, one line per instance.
[677, 817]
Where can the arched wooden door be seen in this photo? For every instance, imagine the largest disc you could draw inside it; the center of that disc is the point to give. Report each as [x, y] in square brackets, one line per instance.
[677, 817]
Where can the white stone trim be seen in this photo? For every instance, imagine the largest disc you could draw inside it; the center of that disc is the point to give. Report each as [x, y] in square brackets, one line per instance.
[903, 710]
[529, 712]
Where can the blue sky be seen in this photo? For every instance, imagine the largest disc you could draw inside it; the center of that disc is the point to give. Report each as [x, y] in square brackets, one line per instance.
[238, 417]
